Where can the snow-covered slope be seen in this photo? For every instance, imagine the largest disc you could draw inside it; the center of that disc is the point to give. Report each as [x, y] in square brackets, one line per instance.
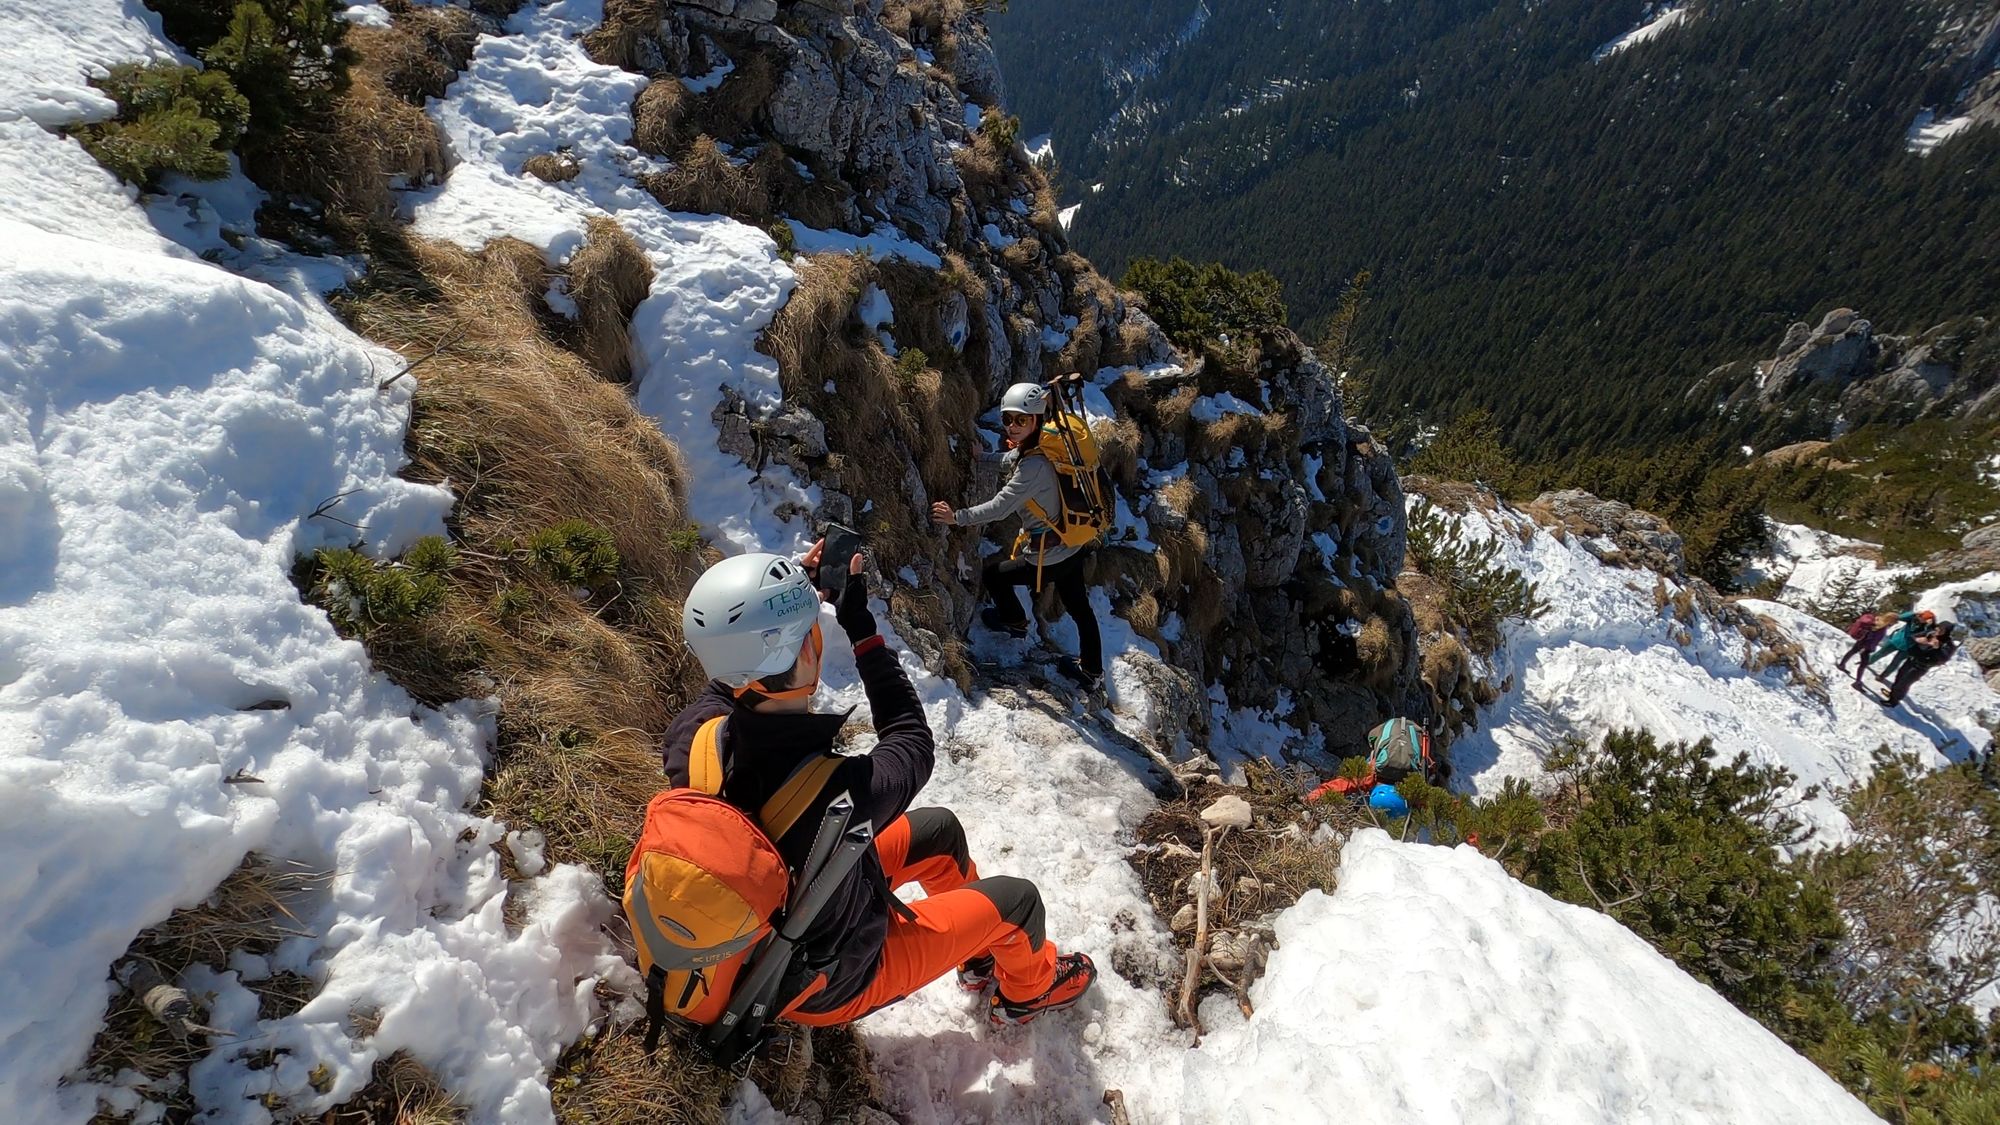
[168, 430]
[1607, 654]
[1497, 999]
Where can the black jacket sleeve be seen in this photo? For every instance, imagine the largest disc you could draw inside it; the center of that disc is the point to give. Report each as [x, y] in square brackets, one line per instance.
[904, 753]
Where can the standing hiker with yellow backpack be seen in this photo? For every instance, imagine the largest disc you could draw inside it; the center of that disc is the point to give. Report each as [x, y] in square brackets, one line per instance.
[762, 884]
[1060, 494]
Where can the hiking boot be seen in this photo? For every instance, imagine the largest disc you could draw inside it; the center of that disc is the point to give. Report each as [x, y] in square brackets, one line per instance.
[990, 617]
[977, 974]
[1073, 672]
[1074, 976]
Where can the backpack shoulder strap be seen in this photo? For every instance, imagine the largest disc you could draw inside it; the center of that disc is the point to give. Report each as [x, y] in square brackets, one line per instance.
[705, 757]
[797, 794]
[791, 800]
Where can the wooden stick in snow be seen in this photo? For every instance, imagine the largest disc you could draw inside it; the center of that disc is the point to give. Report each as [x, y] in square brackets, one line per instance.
[1209, 838]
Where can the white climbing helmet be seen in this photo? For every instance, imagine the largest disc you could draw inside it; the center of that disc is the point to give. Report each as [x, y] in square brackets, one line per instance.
[747, 616]
[1025, 398]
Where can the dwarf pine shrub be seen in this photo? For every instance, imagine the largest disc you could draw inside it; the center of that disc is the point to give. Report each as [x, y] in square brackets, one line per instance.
[1003, 128]
[171, 118]
[286, 57]
[1689, 854]
[910, 363]
[575, 553]
[1480, 593]
[1195, 303]
[362, 595]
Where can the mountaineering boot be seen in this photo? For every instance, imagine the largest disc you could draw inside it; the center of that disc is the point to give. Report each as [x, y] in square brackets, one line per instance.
[1074, 976]
[990, 617]
[1073, 672]
[977, 974]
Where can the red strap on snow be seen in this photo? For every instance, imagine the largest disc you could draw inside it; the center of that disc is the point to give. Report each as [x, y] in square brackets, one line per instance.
[868, 644]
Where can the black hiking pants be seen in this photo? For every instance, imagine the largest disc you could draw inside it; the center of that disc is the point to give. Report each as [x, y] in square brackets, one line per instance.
[1003, 575]
[1908, 674]
[1860, 648]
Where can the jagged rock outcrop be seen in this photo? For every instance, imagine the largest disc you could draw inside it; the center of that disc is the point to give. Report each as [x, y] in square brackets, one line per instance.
[1840, 373]
[1616, 532]
[1278, 528]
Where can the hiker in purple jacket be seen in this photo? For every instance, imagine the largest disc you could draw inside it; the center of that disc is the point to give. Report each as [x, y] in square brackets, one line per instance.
[1867, 631]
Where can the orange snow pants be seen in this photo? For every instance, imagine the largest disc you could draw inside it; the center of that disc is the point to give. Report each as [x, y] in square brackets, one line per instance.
[963, 917]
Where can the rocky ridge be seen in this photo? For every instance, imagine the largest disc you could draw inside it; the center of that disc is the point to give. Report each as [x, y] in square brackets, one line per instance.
[1265, 534]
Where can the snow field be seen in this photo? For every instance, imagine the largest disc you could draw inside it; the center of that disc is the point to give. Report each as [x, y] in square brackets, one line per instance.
[166, 428]
[1604, 656]
[1432, 986]
[1813, 560]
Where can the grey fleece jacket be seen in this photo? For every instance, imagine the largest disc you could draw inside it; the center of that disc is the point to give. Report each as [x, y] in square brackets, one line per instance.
[1033, 479]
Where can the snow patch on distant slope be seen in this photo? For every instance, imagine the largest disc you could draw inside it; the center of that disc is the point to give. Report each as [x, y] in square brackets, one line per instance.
[1811, 561]
[1656, 24]
[1524, 1009]
[1606, 656]
[1928, 131]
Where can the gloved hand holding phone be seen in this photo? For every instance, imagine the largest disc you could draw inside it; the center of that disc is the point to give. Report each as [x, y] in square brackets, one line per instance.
[843, 586]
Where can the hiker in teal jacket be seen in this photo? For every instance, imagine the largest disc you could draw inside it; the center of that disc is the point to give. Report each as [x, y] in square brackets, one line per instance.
[1897, 645]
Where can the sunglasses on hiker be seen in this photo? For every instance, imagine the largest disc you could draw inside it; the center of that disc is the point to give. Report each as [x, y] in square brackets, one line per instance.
[1011, 419]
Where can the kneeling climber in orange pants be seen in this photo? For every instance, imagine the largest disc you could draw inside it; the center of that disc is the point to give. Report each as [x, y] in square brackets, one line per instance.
[751, 741]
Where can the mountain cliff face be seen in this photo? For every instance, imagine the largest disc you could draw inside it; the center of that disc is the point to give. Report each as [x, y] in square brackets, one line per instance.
[1257, 522]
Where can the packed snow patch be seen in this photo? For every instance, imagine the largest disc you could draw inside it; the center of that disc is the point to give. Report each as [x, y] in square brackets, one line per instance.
[1814, 563]
[1929, 131]
[1456, 993]
[1656, 24]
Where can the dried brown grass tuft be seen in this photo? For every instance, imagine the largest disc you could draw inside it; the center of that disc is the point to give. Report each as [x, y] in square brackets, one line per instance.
[705, 181]
[607, 280]
[660, 118]
[1175, 414]
[1231, 431]
[420, 53]
[1023, 255]
[254, 909]
[552, 167]
[1143, 614]
[401, 1091]
[616, 41]
[1118, 450]
[531, 438]
[1128, 345]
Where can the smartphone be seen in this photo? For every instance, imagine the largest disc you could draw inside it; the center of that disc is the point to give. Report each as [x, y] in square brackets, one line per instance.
[842, 544]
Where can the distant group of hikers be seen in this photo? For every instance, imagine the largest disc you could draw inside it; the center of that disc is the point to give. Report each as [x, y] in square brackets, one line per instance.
[1913, 642]
[763, 882]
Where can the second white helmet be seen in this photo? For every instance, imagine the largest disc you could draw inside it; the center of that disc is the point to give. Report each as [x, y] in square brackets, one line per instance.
[1025, 398]
[747, 616]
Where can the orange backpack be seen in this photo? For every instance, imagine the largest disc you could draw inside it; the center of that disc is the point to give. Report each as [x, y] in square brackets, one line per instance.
[706, 891]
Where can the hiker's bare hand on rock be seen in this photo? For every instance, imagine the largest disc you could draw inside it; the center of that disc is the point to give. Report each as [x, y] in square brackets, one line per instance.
[941, 513]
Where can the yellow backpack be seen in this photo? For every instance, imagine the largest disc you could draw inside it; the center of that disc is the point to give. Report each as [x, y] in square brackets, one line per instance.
[1085, 490]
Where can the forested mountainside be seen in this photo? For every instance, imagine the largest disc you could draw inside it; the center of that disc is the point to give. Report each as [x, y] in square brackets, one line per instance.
[1566, 224]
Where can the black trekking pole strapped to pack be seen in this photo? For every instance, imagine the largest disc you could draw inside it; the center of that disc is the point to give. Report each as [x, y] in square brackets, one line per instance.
[740, 1030]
